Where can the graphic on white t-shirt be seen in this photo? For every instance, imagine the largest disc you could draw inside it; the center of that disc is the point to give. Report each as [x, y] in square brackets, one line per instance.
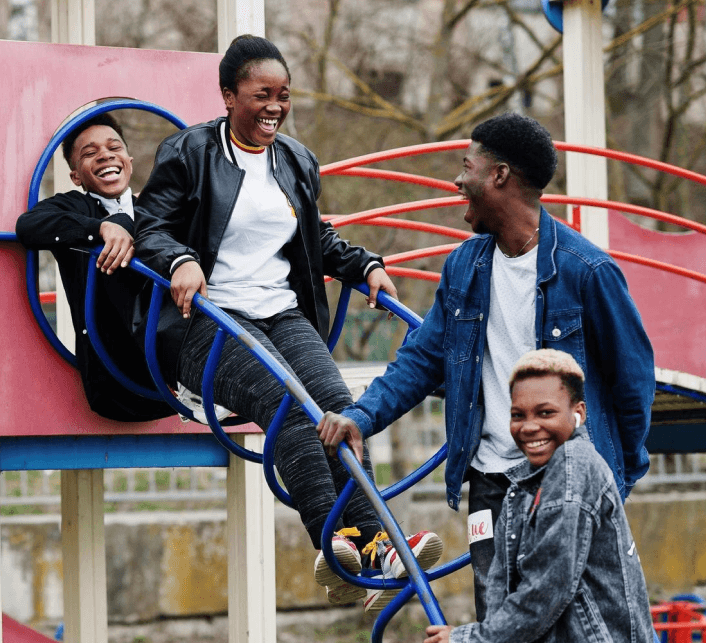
[480, 526]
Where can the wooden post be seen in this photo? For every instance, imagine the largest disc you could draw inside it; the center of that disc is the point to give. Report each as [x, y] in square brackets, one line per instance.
[584, 111]
[252, 595]
[82, 528]
[83, 552]
[237, 17]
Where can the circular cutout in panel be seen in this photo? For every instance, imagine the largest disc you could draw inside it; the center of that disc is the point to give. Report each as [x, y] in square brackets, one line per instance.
[34, 188]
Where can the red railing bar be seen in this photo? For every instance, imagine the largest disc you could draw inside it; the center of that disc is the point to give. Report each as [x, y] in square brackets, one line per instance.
[633, 159]
[47, 297]
[418, 226]
[422, 253]
[402, 177]
[387, 155]
[626, 207]
[443, 146]
[413, 273]
[412, 206]
[659, 265]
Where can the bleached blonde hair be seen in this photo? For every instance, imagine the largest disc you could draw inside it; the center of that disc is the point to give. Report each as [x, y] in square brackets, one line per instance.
[548, 361]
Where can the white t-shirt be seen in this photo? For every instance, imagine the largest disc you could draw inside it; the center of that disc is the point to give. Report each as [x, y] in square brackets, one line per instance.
[510, 335]
[250, 274]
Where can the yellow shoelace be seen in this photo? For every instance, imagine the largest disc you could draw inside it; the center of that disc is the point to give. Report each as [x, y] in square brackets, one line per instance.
[372, 547]
[348, 531]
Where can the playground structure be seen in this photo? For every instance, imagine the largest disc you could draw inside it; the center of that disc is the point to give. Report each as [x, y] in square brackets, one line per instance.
[62, 433]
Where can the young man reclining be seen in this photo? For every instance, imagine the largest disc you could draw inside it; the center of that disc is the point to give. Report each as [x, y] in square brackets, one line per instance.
[70, 225]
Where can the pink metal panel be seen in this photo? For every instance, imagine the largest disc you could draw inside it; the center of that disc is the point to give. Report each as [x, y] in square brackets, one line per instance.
[42, 85]
[15, 632]
[673, 308]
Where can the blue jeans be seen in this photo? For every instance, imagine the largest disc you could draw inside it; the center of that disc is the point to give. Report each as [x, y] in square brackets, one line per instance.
[485, 491]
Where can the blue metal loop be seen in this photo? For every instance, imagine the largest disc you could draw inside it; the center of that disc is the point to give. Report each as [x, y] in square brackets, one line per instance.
[97, 342]
[34, 186]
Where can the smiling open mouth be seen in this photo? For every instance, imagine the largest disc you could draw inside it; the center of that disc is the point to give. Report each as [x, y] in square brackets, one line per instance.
[268, 124]
[536, 444]
[112, 170]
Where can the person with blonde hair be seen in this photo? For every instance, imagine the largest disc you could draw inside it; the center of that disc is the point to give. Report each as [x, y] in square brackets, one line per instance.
[565, 565]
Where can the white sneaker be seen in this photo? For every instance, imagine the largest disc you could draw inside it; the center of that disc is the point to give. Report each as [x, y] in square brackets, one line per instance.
[194, 403]
[338, 591]
[426, 547]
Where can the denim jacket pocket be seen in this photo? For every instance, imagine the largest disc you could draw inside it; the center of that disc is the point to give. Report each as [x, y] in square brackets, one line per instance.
[463, 319]
[593, 627]
[562, 331]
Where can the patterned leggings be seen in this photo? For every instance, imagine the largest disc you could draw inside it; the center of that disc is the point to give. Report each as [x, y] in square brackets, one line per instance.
[243, 385]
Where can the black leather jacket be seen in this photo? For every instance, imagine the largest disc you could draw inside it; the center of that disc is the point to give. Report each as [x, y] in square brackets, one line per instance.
[187, 202]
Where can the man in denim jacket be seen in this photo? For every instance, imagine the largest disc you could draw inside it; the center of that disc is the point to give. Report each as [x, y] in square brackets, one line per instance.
[524, 281]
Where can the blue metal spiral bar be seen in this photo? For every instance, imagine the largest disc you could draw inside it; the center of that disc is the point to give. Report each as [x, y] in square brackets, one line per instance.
[97, 342]
[209, 373]
[340, 317]
[8, 236]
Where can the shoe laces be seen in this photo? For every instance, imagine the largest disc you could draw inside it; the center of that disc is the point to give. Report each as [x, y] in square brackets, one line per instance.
[348, 532]
[377, 546]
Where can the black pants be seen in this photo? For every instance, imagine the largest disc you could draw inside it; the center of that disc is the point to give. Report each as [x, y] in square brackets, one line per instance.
[243, 385]
[486, 491]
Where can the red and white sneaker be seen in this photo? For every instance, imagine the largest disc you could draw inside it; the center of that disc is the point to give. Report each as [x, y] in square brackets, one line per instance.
[339, 592]
[426, 547]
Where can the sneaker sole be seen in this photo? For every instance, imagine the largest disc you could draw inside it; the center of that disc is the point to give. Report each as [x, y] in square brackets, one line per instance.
[427, 551]
[380, 600]
[344, 593]
[324, 575]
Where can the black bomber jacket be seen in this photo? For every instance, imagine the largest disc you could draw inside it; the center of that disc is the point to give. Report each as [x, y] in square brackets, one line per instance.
[69, 225]
[186, 205]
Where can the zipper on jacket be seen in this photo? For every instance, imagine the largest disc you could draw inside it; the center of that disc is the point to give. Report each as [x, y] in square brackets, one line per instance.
[306, 251]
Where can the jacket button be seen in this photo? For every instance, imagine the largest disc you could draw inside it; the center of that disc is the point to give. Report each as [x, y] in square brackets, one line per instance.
[56, 238]
[512, 494]
[481, 317]
[513, 536]
[458, 311]
[471, 406]
[477, 359]
[90, 237]
[556, 332]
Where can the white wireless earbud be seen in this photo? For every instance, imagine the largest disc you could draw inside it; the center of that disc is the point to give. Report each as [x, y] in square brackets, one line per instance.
[577, 417]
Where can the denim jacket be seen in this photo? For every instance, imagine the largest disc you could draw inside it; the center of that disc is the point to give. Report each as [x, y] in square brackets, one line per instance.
[582, 307]
[565, 565]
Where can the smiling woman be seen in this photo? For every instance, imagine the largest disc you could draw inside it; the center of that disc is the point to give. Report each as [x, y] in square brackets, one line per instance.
[230, 212]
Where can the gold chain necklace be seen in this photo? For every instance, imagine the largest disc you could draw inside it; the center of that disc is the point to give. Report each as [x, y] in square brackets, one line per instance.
[519, 252]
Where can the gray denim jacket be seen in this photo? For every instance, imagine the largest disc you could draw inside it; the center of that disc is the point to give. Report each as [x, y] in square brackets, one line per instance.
[565, 569]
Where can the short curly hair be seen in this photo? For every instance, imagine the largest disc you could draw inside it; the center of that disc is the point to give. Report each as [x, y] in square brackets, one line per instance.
[67, 146]
[548, 361]
[522, 143]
